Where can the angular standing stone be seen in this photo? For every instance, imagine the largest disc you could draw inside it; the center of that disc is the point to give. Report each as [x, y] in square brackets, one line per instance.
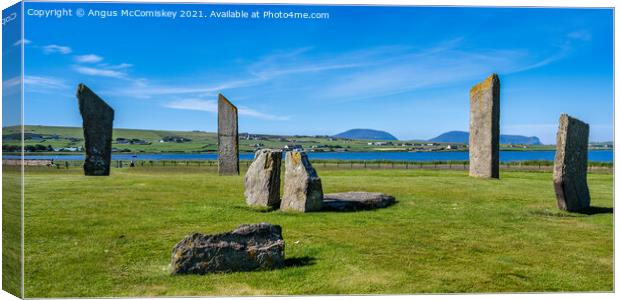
[227, 137]
[484, 128]
[97, 119]
[262, 180]
[302, 186]
[571, 164]
[249, 247]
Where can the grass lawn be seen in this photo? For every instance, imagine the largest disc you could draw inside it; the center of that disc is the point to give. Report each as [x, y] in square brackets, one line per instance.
[112, 236]
[11, 230]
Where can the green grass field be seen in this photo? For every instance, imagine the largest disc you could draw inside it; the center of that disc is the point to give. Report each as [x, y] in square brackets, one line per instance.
[112, 236]
[11, 230]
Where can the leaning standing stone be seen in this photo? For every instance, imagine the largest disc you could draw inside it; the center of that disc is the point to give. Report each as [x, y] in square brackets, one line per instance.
[97, 119]
[262, 180]
[571, 164]
[227, 137]
[249, 247]
[302, 186]
[484, 128]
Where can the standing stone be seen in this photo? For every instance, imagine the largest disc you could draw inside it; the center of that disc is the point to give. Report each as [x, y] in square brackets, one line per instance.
[97, 119]
[247, 248]
[302, 186]
[571, 164]
[262, 180]
[227, 137]
[484, 128]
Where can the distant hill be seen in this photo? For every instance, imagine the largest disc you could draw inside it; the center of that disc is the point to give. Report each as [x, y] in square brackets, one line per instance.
[463, 137]
[366, 134]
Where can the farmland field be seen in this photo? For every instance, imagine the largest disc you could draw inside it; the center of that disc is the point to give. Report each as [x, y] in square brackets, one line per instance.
[112, 236]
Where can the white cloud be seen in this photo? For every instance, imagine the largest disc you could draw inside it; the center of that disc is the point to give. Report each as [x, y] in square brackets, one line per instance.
[50, 49]
[245, 111]
[100, 72]
[582, 35]
[117, 67]
[194, 104]
[19, 42]
[36, 84]
[44, 82]
[88, 58]
[211, 106]
[11, 82]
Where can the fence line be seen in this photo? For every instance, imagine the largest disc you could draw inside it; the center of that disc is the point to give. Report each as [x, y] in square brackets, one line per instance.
[320, 164]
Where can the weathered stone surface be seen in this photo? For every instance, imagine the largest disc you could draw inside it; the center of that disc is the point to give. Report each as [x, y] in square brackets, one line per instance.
[97, 119]
[262, 180]
[249, 247]
[352, 201]
[571, 164]
[484, 128]
[302, 186]
[227, 137]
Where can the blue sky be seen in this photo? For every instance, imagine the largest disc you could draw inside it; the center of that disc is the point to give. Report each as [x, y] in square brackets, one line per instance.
[406, 70]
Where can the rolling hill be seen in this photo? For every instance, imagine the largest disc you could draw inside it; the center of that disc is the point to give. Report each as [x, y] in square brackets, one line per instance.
[463, 137]
[366, 134]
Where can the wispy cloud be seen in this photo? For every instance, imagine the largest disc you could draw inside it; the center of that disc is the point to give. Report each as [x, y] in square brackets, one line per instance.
[267, 69]
[100, 72]
[11, 82]
[45, 82]
[88, 58]
[582, 35]
[36, 84]
[51, 49]
[115, 67]
[211, 106]
[369, 73]
[19, 42]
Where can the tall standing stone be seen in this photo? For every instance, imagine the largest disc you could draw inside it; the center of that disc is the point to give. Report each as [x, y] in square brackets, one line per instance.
[97, 119]
[227, 137]
[571, 164]
[262, 180]
[302, 186]
[484, 128]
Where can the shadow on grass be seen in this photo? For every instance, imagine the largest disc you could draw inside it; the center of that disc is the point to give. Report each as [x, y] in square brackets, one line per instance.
[294, 262]
[595, 210]
[352, 206]
[592, 210]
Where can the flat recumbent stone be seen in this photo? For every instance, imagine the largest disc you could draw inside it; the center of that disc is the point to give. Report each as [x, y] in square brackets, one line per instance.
[247, 248]
[353, 201]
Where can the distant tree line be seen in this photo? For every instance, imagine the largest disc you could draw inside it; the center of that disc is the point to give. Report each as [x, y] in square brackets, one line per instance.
[27, 148]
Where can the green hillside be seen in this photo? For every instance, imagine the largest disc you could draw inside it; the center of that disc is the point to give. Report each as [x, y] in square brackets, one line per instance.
[45, 139]
[150, 141]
